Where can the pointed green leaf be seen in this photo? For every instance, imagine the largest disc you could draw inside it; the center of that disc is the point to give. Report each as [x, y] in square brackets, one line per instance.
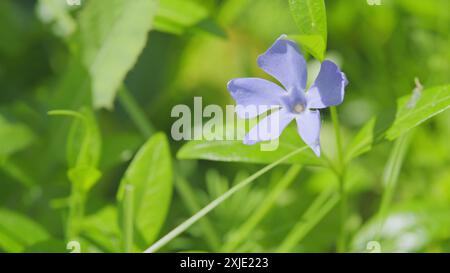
[310, 17]
[101, 228]
[86, 177]
[428, 103]
[13, 137]
[177, 17]
[17, 231]
[236, 151]
[362, 142]
[313, 44]
[112, 35]
[150, 175]
[184, 13]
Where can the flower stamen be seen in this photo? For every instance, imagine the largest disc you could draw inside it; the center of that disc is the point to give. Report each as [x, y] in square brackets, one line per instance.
[298, 108]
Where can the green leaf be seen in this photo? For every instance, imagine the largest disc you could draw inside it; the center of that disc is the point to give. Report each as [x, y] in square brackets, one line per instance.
[112, 35]
[310, 17]
[101, 228]
[166, 25]
[216, 202]
[313, 44]
[175, 16]
[427, 104]
[210, 26]
[17, 231]
[362, 142]
[85, 177]
[236, 151]
[150, 175]
[13, 137]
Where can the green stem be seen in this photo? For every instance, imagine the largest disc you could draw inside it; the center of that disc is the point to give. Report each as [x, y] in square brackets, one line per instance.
[76, 212]
[135, 112]
[341, 242]
[313, 215]
[193, 219]
[189, 198]
[78, 194]
[266, 205]
[128, 227]
[337, 131]
[330, 164]
[390, 178]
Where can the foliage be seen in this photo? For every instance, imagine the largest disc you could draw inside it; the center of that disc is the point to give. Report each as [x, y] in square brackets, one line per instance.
[85, 125]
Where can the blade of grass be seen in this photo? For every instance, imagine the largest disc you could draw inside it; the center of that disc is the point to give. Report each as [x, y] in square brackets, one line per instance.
[266, 205]
[189, 222]
[390, 178]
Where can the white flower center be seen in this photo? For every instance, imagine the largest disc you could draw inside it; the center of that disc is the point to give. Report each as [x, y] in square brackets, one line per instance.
[298, 108]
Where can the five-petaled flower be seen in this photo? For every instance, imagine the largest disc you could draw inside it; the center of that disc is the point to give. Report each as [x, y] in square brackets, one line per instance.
[285, 63]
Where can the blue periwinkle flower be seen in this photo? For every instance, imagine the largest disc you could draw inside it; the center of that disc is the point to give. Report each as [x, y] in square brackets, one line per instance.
[285, 63]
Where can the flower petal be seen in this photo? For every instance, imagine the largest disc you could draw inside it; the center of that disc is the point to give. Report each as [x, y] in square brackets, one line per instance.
[328, 88]
[284, 61]
[269, 128]
[254, 96]
[308, 127]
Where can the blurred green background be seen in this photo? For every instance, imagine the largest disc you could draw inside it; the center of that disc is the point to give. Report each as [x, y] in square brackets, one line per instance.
[193, 50]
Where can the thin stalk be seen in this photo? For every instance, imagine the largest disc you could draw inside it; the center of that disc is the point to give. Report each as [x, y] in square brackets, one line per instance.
[337, 131]
[135, 112]
[330, 164]
[341, 242]
[78, 195]
[321, 206]
[190, 200]
[189, 222]
[128, 216]
[266, 205]
[76, 212]
[390, 178]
